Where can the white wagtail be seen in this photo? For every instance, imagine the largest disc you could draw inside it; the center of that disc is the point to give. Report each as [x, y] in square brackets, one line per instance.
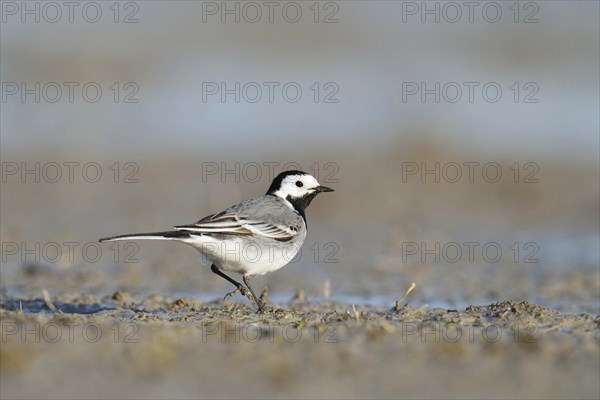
[254, 237]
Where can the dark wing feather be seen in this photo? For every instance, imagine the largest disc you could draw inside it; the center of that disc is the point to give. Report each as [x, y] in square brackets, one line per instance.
[230, 223]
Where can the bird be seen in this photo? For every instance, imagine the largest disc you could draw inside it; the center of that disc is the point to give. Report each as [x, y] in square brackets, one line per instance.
[251, 238]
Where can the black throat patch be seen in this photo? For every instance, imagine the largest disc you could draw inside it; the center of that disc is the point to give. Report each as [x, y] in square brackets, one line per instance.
[301, 203]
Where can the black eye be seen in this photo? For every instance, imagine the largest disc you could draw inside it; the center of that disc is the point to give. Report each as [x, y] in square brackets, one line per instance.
[299, 183]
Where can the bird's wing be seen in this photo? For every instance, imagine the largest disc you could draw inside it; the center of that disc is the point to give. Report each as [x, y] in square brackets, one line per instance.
[231, 223]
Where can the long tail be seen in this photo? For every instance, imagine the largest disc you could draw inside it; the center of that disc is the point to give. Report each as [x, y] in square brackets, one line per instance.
[167, 235]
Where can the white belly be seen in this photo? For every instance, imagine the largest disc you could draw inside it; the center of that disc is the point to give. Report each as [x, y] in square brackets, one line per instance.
[247, 257]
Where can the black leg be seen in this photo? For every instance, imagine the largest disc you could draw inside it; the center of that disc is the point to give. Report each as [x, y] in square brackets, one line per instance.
[238, 286]
[256, 299]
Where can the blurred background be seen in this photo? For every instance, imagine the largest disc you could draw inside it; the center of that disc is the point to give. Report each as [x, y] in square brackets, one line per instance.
[462, 141]
[438, 125]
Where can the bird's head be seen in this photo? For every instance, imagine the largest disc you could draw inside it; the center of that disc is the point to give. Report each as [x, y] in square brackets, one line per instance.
[297, 187]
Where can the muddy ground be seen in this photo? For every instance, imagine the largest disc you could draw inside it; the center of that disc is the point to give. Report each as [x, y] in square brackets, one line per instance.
[131, 346]
[149, 321]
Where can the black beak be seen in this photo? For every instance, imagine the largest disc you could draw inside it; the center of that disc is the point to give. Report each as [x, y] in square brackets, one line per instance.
[324, 189]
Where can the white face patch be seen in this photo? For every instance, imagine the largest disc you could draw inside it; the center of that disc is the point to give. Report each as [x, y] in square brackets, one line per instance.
[297, 186]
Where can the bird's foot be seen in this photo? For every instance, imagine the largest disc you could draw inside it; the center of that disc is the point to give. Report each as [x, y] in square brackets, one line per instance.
[272, 310]
[243, 291]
